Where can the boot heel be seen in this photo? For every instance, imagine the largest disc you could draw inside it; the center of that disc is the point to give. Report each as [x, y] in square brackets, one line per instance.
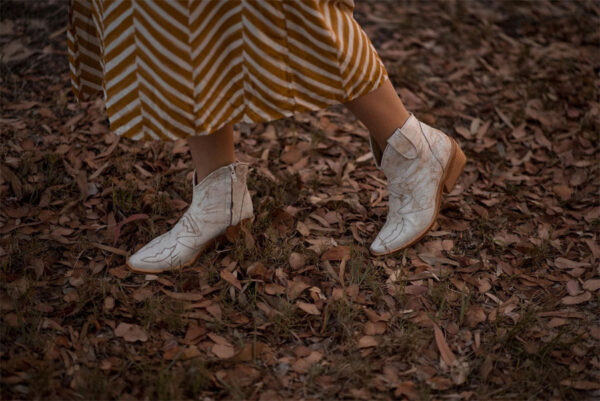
[455, 168]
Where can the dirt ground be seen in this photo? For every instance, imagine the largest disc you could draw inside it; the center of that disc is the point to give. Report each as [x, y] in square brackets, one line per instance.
[499, 301]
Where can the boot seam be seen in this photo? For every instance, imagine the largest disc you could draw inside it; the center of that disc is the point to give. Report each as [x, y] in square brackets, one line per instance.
[430, 148]
[231, 197]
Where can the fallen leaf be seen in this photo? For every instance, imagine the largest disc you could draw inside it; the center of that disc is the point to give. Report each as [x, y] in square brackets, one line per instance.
[297, 260]
[591, 285]
[183, 296]
[131, 332]
[407, 389]
[563, 192]
[336, 253]
[445, 352]
[251, 351]
[231, 279]
[475, 315]
[584, 297]
[215, 310]
[367, 341]
[14, 51]
[557, 322]
[581, 384]
[302, 365]
[222, 351]
[194, 332]
[311, 309]
[372, 329]
[142, 293]
[296, 287]
[256, 269]
[291, 155]
[439, 383]
[192, 352]
[573, 287]
[464, 132]
[109, 303]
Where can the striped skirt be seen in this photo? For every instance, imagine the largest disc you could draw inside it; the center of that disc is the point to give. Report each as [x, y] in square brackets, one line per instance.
[171, 69]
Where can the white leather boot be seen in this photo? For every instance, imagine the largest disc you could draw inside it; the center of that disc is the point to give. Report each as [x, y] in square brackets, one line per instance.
[419, 162]
[219, 201]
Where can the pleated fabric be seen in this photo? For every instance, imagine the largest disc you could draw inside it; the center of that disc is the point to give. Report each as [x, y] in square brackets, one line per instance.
[172, 69]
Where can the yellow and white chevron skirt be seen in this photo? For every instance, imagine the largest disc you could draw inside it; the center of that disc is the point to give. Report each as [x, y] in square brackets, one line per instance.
[171, 69]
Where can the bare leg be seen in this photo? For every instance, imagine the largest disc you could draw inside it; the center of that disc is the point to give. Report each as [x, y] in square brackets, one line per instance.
[209, 152]
[381, 111]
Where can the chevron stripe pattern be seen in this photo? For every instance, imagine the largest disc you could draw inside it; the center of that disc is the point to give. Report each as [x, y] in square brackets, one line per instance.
[172, 69]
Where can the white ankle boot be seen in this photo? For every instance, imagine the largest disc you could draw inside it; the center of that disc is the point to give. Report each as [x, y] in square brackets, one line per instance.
[419, 162]
[219, 201]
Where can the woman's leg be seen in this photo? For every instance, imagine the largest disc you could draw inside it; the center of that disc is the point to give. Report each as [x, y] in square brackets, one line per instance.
[381, 111]
[209, 152]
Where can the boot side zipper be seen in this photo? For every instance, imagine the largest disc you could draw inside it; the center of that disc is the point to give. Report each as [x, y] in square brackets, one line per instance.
[233, 180]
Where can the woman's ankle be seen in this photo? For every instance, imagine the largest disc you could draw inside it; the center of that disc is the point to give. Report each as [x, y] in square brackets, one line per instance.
[210, 152]
[381, 111]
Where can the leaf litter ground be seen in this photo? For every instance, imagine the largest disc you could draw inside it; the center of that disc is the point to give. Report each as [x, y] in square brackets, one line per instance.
[499, 301]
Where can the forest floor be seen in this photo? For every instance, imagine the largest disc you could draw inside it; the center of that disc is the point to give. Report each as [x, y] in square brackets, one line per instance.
[499, 301]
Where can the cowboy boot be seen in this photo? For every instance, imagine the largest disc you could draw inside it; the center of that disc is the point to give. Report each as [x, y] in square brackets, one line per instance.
[219, 201]
[419, 162]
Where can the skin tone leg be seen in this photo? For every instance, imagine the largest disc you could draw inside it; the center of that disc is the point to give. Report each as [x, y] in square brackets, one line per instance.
[381, 111]
[209, 152]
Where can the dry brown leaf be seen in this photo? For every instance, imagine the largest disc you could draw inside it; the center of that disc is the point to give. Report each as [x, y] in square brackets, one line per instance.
[183, 296]
[557, 322]
[231, 279]
[439, 383]
[584, 297]
[445, 352]
[251, 351]
[192, 352]
[311, 309]
[142, 293]
[302, 365]
[375, 328]
[256, 269]
[297, 260]
[581, 384]
[131, 332]
[367, 342]
[291, 155]
[274, 289]
[463, 131]
[296, 287]
[475, 315]
[573, 287]
[591, 285]
[222, 351]
[563, 191]
[564, 263]
[336, 253]
[407, 389]
[302, 229]
[194, 332]
[109, 303]
[214, 310]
